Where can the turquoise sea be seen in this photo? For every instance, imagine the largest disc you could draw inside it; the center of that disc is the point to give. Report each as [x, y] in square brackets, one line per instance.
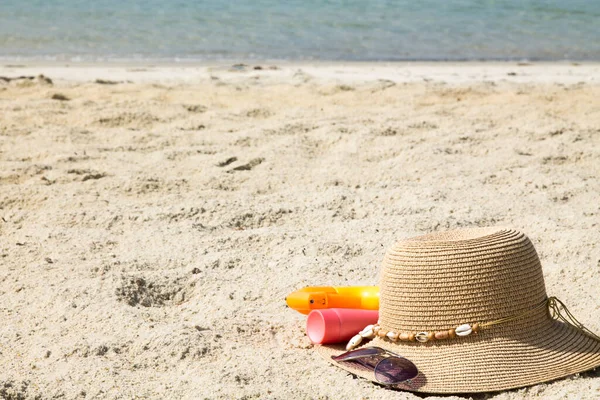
[367, 30]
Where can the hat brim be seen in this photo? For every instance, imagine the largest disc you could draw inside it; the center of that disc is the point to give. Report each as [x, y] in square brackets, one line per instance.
[492, 360]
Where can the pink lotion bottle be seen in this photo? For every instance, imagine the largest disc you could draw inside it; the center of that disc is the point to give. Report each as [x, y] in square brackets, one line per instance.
[337, 325]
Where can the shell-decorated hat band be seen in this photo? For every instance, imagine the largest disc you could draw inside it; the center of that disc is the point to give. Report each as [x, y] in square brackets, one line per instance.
[557, 310]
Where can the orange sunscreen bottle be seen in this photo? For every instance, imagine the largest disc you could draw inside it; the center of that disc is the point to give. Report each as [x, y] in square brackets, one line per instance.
[316, 298]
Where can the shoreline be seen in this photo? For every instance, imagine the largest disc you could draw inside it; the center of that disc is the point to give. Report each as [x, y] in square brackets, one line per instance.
[341, 72]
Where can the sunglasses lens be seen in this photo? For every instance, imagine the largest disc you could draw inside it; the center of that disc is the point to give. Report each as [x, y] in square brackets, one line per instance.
[395, 370]
[360, 353]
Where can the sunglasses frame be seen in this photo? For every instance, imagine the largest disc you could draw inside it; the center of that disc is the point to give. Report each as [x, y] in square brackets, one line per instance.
[388, 356]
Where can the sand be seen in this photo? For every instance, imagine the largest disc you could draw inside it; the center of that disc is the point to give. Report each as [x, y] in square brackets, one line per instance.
[153, 222]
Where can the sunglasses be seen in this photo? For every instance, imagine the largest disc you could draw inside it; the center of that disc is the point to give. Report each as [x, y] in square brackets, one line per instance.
[389, 368]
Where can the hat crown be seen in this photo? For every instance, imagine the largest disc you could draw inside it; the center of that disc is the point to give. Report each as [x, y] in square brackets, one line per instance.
[442, 280]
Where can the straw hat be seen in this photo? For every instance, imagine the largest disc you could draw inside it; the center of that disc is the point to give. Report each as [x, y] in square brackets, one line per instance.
[434, 285]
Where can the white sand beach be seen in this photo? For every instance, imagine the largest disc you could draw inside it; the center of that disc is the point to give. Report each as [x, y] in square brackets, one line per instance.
[153, 218]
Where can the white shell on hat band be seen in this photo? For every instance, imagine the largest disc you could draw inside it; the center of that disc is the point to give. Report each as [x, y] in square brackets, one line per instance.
[463, 330]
